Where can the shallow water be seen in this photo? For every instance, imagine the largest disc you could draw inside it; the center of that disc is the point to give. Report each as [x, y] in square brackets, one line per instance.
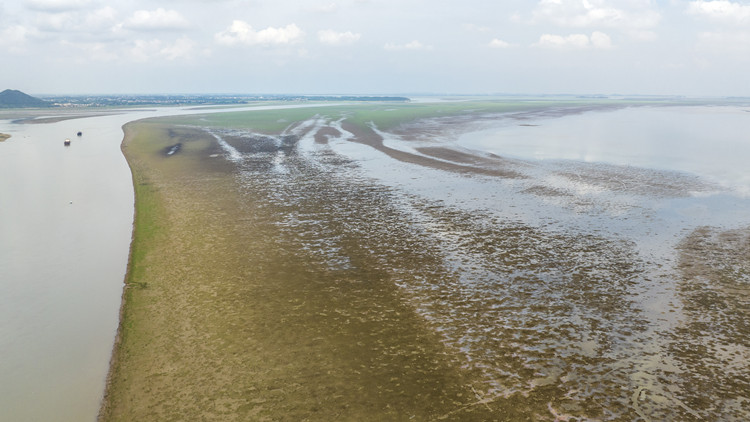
[710, 141]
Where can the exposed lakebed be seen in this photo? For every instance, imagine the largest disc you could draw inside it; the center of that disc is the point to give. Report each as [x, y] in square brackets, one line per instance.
[425, 276]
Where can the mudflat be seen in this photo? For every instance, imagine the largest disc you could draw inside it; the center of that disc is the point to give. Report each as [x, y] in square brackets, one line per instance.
[355, 264]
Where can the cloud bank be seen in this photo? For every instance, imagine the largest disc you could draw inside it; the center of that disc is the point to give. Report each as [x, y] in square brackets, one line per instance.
[156, 20]
[721, 11]
[240, 32]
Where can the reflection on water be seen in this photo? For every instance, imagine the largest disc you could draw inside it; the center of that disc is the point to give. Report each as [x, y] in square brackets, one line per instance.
[709, 141]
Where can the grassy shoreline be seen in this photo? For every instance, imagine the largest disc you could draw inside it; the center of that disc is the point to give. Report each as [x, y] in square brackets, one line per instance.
[145, 213]
[225, 318]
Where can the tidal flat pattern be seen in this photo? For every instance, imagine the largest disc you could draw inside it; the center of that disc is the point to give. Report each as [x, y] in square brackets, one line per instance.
[546, 303]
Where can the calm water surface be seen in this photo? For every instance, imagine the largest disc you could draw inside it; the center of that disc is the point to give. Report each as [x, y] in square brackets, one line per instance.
[65, 226]
[712, 142]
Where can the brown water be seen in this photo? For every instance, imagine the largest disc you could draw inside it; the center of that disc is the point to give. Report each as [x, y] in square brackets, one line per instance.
[65, 224]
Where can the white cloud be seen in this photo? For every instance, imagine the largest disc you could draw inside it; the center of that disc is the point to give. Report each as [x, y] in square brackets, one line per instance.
[597, 40]
[414, 45]
[600, 40]
[156, 20]
[560, 42]
[14, 38]
[57, 22]
[498, 43]
[241, 32]
[103, 16]
[93, 22]
[597, 13]
[721, 11]
[56, 5]
[146, 50]
[97, 51]
[332, 37]
[182, 48]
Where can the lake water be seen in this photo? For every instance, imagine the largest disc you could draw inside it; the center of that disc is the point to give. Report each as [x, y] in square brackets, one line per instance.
[712, 142]
[65, 227]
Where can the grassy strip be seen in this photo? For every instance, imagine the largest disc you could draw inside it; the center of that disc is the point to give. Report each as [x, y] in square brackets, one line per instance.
[385, 116]
[148, 212]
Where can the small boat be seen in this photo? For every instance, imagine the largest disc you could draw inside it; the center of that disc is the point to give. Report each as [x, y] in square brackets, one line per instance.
[80, 133]
[67, 142]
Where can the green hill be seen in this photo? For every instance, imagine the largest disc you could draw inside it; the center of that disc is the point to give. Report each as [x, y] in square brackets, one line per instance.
[11, 98]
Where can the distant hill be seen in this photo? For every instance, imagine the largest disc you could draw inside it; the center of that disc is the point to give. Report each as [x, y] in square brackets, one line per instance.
[11, 98]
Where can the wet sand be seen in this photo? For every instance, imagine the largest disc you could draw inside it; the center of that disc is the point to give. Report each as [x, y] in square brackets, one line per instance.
[335, 271]
[53, 115]
[55, 119]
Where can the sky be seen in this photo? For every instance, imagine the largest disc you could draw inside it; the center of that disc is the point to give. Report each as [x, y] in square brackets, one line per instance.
[409, 47]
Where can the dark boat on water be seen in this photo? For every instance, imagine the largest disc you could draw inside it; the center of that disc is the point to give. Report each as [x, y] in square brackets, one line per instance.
[80, 133]
[67, 142]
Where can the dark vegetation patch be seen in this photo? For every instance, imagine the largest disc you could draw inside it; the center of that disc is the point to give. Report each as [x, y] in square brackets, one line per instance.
[324, 134]
[547, 191]
[636, 180]
[172, 149]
